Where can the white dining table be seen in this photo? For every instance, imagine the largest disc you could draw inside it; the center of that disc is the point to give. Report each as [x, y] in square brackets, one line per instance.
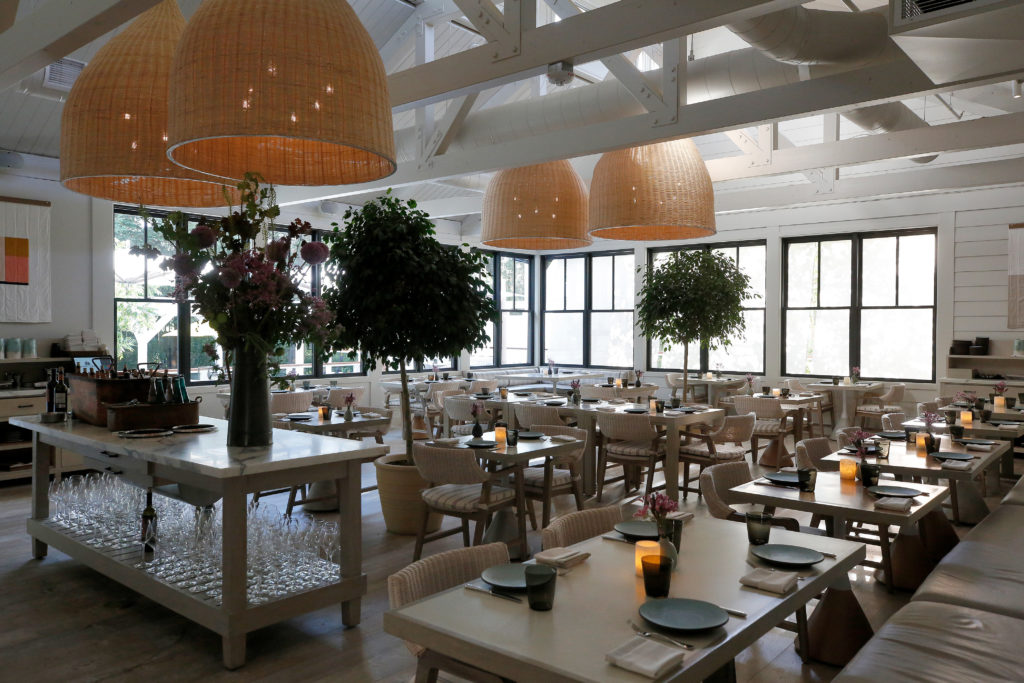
[844, 397]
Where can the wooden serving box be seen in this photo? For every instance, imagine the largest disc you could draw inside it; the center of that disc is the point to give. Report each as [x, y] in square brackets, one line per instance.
[144, 415]
[90, 396]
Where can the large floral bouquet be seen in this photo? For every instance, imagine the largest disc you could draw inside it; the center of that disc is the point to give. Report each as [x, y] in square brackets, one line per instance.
[245, 279]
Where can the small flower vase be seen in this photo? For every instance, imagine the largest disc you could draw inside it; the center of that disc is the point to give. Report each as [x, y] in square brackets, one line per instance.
[637, 383]
[249, 422]
[478, 431]
[750, 389]
[576, 398]
[854, 378]
[348, 413]
[666, 547]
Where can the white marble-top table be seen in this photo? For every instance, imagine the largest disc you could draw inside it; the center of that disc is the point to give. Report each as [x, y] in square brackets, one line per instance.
[845, 400]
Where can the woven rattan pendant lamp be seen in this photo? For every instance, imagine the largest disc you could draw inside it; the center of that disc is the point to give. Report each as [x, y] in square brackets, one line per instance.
[653, 192]
[113, 137]
[536, 207]
[294, 90]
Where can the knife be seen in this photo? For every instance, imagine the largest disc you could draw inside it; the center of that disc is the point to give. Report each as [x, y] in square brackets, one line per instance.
[496, 594]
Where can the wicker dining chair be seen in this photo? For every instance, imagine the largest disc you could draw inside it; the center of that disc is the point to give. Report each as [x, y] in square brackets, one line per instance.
[592, 391]
[477, 386]
[727, 394]
[893, 422]
[927, 407]
[844, 436]
[773, 421]
[818, 409]
[630, 441]
[528, 415]
[712, 447]
[579, 526]
[291, 402]
[336, 395]
[674, 381]
[560, 475]
[435, 421]
[810, 453]
[435, 574]
[377, 433]
[873, 405]
[460, 415]
[717, 480]
[460, 488]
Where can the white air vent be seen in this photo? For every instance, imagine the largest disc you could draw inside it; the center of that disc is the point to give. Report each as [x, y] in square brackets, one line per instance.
[917, 8]
[61, 74]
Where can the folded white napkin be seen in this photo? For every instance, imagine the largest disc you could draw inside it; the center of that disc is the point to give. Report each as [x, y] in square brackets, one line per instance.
[961, 465]
[561, 557]
[605, 409]
[447, 441]
[979, 447]
[770, 580]
[645, 657]
[896, 504]
[563, 437]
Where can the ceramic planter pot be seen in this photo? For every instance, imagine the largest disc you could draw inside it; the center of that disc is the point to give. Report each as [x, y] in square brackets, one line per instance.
[399, 488]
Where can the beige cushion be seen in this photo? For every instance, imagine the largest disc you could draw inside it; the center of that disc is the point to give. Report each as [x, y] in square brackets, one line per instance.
[986, 569]
[463, 497]
[534, 476]
[1016, 494]
[934, 643]
[764, 427]
[634, 448]
[723, 451]
[879, 409]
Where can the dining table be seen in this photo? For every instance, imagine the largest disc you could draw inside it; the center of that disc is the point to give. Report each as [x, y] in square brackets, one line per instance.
[805, 402]
[841, 501]
[845, 398]
[1000, 431]
[595, 602]
[967, 502]
[559, 376]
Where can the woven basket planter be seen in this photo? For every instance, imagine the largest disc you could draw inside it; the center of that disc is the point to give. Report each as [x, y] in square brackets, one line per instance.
[399, 488]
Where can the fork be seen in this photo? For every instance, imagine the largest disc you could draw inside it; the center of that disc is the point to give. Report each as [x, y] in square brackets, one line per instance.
[657, 636]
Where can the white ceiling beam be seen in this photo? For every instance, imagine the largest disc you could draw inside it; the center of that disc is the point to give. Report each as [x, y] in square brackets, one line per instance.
[424, 114]
[452, 206]
[446, 129]
[609, 30]
[57, 29]
[430, 11]
[490, 22]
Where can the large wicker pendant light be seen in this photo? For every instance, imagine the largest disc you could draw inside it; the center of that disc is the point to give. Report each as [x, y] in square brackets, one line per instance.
[536, 207]
[294, 90]
[113, 137]
[654, 192]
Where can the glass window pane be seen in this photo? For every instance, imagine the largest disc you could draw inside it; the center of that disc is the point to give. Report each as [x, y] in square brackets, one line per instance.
[554, 285]
[802, 274]
[441, 363]
[660, 257]
[563, 338]
[147, 332]
[818, 343]
[159, 282]
[917, 270]
[910, 357]
[200, 364]
[611, 339]
[878, 280]
[522, 285]
[672, 358]
[836, 264]
[601, 283]
[297, 360]
[129, 270]
[752, 262]
[508, 282]
[515, 338]
[484, 356]
[746, 353]
[574, 283]
[343, 363]
[625, 281]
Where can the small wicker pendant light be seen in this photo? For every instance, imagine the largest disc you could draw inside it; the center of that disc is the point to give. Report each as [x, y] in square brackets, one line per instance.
[113, 132]
[294, 90]
[536, 207]
[653, 192]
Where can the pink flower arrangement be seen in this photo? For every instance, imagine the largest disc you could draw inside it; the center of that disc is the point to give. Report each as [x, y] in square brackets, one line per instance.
[855, 371]
[968, 396]
[657, 506]
[575, 385]
[350, 399]
[750, 378]
[858, 437]
[929, 418]
[999, 387]
[476, 409]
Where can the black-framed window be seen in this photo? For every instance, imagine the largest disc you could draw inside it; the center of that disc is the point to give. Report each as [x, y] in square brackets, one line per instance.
[588, 309]
[846, 298]
[746, 354]
[151, 327]
[510, 339]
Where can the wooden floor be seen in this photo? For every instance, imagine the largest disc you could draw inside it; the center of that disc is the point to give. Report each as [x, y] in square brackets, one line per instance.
[62, 622]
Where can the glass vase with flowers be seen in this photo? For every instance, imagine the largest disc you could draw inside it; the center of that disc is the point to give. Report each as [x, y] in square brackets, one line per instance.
[657, 507]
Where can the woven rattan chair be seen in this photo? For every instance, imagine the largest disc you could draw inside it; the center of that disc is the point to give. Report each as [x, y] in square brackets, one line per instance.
[528, 415]
[773, 423]
[819, 407]
[377, 433]
[715, 483]
[844, 437]
[727, 394]
[579, 526]
[893, 422]
[460, 415]
[674, 381]
[291, 402]
[435, 574]
[592, 391]
[436, 419]
[873, 405]
[460, 488]
[927, 407]
[630, 441]
[477, 386]
[336, 396]
[809, 453]
[559, 475]
[710, 448]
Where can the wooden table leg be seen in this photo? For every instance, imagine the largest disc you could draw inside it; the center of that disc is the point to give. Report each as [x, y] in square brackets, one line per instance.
[954, 500]
[350, 537]
[803, 640]
[42, 457]
[883, 539]
[838, 627]
[524, 553]
[672, 461]
[234, 570]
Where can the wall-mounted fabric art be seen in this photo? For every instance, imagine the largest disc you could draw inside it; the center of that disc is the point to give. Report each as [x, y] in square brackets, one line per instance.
[24, 261]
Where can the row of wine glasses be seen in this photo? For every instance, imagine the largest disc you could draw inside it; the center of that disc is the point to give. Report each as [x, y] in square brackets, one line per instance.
[285, 555]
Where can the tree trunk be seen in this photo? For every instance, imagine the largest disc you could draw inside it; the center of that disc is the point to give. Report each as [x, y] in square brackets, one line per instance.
[686, 370]
[406, 414]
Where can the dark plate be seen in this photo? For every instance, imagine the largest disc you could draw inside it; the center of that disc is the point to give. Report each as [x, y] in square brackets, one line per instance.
[279, 391]
[481, 443]
[590, 400]
[786, 555]
[521, 393]
[559, 402]
[531, 435]
[636, 411]
[680, 614]
[976, 442]
[900, 436]
[784, 478]
[606, 385]
[894, 491]
[1004, 422]
[483, 396]
[150, 433]
[509, 577]
[193, 429]
[299, 417]
[638, 530]
[948, 455]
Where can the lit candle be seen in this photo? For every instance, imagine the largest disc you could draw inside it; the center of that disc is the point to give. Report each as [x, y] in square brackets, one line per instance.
[847, 469]
[966, 418]
[708, 376]
[325, 413]
[500, 432]
[921, 441]
[645, 549]
[846, 380]
[776, 392]
[618, 383]
[999, 404]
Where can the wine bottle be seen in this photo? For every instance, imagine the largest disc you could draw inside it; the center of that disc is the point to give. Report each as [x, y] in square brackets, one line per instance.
[168, 389]
[51, 388]
[149, 524]
[60, 393]
[182, 391]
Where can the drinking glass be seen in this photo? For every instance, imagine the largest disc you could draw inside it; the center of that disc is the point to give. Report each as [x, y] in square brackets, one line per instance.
[808, 477]
[659, 406]
[512, 437]
[540, 586]
[869, 474]
[657, 572]
[759, 527]
[676, 401]
[883, 448]
[956, 431]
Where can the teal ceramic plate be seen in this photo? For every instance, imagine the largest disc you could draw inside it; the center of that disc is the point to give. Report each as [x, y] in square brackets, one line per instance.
[784, 478]
[510, 577]
[638, 530]
[483, 396]
[193, 429]
[787, 555]
[148, 433]
[559, 402]
[531, 435]
[481, 443]
[893, 436]
[894, 491]
[680, 614]
[976, 442]
[948, 455]
[299, 417]
[636, 411]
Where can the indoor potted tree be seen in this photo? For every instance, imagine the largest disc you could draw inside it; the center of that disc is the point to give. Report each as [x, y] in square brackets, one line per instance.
[401, 296]
[693, 296]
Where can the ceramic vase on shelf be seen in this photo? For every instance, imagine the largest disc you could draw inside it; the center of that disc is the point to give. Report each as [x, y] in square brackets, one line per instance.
[249, 422]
